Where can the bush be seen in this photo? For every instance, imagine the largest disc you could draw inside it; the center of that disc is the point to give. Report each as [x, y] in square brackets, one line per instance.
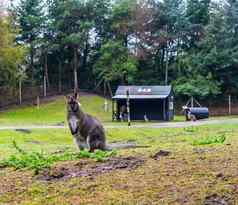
[37, 161]
[220, 139]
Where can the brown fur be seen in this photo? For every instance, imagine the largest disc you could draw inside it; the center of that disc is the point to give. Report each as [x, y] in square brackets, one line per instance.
[87, 131]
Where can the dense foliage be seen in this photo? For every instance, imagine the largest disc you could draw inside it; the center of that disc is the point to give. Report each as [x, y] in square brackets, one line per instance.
[38, 161]
[191, 44]
[11, 56]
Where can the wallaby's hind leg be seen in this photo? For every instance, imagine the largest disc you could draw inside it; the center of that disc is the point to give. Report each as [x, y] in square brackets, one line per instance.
[81, 144]
[94, 142]
[90, 146]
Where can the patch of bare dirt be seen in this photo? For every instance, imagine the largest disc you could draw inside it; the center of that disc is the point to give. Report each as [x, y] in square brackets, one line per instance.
[60, 123]
[33, 142]
[161, 153]
[25, 131]
[83, 168]
[12, 181]
[214, 199]
[204, 150]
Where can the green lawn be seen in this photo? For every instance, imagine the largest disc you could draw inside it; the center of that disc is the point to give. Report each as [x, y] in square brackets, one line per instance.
[198, 166]
[202, 162]
[53, 112]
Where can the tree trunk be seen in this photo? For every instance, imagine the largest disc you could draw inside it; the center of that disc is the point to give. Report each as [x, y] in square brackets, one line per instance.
[45, 86]
[157, 61]
[104, 89]
[60, 77]
[126, 41]
[110, 89]
[178, 57]
[166, 67]
[75, 70]
[32, 64]
[46, 71]
[162, 59]
[167, 58]
[85, 56]
[20, 92]
[46, 75]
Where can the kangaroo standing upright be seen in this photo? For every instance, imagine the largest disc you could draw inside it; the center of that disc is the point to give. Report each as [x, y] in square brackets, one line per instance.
[87, 131]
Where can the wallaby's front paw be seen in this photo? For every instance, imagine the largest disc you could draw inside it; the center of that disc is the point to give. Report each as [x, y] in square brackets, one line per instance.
[91, 150]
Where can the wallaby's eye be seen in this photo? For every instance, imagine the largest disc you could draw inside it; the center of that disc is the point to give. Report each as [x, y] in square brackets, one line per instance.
[74, 106]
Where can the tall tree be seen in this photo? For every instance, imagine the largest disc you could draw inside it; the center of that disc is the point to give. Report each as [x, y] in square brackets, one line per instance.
[30, 18]
[122, 12]
[115, 64]
[11, 56]
[75, 26]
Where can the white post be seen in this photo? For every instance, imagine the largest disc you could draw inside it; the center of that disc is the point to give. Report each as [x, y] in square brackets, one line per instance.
[229, 104]
[128, 108]
[105, 105]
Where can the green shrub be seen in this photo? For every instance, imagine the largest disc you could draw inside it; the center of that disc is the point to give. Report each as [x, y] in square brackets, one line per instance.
[190, 129]
[219, 139]
[37, 161]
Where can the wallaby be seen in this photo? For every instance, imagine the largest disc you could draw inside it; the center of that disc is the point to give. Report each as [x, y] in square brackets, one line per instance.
[87, 131]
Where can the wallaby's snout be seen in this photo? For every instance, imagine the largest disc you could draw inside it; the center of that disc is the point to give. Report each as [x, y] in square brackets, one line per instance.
[72, 102]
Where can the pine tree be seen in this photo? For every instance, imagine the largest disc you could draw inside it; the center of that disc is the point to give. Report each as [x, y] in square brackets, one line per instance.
[30, 18]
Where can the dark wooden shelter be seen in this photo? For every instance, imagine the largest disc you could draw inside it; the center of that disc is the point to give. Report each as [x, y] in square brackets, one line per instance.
[145, 103]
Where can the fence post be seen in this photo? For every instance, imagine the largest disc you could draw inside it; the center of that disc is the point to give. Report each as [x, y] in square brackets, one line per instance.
[105, 105]
[229, 104]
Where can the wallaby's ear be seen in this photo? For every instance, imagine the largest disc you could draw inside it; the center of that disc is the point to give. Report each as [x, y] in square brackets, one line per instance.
[66, 97]
[76, 95]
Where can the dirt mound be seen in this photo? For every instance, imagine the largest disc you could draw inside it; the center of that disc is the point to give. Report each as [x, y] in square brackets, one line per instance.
[215, 200]
[84, 168]
[160, 154]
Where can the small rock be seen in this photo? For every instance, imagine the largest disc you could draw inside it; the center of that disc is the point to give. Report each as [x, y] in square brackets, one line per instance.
[161, 153]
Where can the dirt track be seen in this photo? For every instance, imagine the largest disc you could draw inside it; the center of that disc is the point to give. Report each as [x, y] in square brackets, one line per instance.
[146, 125]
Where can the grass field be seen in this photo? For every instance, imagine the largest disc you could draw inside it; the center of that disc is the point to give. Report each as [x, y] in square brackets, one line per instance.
[53, 113]
[195, 165]
[199, 166]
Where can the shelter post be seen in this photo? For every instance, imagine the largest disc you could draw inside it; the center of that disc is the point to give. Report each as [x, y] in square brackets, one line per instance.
[229, 104]
[128, 108]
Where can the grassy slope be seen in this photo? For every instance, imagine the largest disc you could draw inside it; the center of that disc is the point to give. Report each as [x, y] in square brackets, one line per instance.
[187, 176]
[53, 112]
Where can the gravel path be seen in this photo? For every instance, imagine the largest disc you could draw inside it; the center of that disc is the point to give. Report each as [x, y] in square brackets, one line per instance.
[146, 125]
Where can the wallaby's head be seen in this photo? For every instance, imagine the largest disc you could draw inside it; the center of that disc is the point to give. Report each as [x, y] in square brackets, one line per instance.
[72, 103]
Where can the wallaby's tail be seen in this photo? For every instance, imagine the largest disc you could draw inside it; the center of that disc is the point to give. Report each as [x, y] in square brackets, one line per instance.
[123, 146]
